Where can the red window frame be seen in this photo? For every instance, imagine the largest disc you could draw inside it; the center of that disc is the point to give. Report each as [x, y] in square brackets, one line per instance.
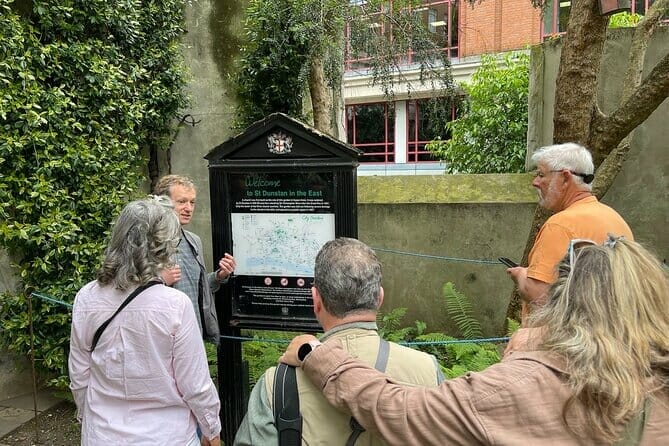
[416, 147]
[374, 151]
[452, 36]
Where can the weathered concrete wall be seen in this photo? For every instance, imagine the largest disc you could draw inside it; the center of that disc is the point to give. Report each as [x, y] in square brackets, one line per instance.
[471, 217]
[641, 191]
[14, 372]
[211, 46]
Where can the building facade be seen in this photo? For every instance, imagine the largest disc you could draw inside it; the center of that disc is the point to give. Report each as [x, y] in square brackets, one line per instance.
[393, 134]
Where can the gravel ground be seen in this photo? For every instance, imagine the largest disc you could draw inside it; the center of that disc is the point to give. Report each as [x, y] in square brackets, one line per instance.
[55, 427]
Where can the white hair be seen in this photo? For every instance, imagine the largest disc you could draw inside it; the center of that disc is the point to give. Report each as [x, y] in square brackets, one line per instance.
[569, 156]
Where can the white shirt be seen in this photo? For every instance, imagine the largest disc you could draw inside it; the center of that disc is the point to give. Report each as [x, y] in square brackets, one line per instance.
[148, 379]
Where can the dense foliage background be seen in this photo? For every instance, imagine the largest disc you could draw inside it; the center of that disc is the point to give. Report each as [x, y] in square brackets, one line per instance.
[86, 88]
[490, 134]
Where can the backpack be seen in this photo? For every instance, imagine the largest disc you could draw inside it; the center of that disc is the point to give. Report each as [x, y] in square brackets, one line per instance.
[287, 416]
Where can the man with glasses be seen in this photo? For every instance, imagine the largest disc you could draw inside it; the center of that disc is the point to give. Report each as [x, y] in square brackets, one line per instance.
[564, 175]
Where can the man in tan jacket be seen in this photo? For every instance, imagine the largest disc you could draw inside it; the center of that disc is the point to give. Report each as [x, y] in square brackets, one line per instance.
[347, 294]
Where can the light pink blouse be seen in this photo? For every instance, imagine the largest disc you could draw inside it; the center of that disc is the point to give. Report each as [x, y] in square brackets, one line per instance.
[148, 379]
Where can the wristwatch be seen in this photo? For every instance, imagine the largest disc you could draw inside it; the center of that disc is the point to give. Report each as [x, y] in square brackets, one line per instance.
[307, 348]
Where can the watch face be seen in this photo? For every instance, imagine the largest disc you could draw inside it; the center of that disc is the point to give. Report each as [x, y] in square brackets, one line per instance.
[303, 351]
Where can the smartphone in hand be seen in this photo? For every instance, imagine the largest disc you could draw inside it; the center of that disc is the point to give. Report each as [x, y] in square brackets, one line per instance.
[508, 262]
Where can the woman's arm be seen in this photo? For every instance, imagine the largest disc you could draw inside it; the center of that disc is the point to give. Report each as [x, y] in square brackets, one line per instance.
[401, 415]
[79, 361]
[191, 374]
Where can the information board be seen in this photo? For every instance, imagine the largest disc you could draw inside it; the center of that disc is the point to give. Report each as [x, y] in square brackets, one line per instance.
[279, 222]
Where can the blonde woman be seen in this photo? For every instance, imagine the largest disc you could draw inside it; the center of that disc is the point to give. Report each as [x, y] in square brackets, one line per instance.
[598, 374]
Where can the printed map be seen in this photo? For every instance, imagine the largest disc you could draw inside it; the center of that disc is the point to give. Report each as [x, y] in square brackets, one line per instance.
[279, 244]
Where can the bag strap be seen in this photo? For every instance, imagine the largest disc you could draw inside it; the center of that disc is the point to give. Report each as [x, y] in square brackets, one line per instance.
[287, 417]
[380, 365]
[101, 328]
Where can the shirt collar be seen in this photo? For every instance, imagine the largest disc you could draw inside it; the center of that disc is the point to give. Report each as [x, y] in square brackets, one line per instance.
[360, 325]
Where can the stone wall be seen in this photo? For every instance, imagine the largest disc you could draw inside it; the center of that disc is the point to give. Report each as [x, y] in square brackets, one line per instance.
[640, 192]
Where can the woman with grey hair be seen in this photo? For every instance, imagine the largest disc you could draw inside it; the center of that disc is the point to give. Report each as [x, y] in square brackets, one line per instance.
[137, 365]
[596, 373]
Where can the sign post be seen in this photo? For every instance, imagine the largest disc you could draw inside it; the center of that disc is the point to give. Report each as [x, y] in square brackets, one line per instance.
[279, 191]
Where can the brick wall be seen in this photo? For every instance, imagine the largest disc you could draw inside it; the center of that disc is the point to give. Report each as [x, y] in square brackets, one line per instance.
[498, 25]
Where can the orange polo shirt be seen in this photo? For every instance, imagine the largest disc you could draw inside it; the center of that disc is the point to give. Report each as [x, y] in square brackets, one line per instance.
[584, 219]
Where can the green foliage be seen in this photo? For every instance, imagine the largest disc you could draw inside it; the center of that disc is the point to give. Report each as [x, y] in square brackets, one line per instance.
[283, 36]
[512, 326]
[390, 326]
[261, 355]
[624, 20]
[83, 90]
[459, 308]
[274, 60]
[490, 135]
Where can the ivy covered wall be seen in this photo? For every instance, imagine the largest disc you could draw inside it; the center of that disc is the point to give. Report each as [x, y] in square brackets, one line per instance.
[86, 88]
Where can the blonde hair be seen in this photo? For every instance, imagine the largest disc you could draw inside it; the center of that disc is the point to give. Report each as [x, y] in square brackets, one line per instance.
[164, 184]
[608, 316]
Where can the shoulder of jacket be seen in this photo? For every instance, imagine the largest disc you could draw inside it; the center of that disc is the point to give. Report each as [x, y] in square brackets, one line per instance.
[191, 235]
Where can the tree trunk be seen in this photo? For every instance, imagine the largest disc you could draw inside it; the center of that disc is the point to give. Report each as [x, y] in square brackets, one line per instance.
[320, 96]
[576, 83]
[577, 117]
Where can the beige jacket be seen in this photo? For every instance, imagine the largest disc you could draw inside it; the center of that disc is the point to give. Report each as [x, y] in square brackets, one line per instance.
[516, 402]
[323, 424]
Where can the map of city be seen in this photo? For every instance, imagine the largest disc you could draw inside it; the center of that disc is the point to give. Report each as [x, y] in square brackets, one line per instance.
[279, 244]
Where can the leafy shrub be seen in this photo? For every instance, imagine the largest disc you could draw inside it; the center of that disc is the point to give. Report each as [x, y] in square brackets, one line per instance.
[85, 87]
[624, 20]
[490, 134]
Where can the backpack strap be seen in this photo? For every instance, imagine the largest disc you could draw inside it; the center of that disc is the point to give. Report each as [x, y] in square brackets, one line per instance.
[101, 328]
[287, 417]
[380, 365]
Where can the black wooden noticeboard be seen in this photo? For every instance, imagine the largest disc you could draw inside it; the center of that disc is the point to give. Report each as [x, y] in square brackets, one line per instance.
[279, 191]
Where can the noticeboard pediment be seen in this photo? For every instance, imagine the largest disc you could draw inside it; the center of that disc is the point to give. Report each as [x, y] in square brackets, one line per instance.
[279, 136]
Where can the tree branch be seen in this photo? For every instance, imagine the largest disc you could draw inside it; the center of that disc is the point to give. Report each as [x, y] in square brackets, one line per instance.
[609, 131]
[633, 77]
[610, 167]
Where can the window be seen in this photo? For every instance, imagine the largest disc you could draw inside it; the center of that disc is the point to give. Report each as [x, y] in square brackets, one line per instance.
[426, 121]
[641, 6]
[439, 16]
[441, 19]
[371, 128]
[556, 15]
[556, 18]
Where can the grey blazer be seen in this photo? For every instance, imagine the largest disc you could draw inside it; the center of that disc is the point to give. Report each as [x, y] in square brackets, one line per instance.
[210, 285]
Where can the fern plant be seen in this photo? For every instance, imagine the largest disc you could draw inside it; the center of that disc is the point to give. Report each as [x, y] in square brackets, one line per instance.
[459, 309]
[459, 358]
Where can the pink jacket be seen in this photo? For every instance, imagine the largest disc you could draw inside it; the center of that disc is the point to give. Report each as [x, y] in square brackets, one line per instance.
[518, 401]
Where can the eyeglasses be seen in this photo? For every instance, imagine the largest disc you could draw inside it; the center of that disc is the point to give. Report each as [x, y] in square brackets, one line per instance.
[587, 177]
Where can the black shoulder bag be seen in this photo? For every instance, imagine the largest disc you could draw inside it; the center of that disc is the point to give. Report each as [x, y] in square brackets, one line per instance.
[101, 328]
[287, 416]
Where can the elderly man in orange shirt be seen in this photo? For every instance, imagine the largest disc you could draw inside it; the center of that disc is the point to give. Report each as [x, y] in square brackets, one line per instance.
[564, 174]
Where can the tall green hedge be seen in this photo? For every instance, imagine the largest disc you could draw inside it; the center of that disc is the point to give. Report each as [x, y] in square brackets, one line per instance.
[86, 87]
